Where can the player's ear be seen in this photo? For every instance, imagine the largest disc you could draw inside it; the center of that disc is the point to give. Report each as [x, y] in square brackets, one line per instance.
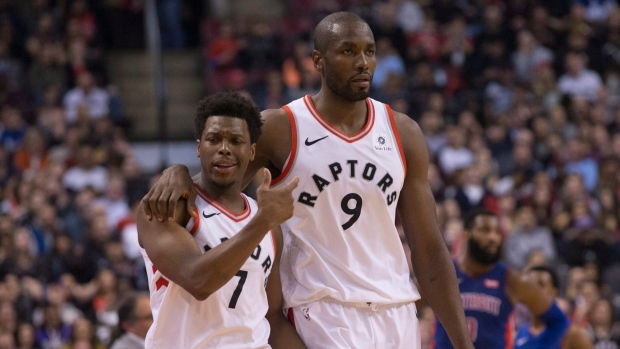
[252, 151]
[318, 61]
[198, 147]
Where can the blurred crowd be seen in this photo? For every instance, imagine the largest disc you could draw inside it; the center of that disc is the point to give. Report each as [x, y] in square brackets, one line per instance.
[519, 101]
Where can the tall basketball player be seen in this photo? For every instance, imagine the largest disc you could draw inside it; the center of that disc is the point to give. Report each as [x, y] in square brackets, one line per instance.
[489, 289]
[211, 276]
[344, 273]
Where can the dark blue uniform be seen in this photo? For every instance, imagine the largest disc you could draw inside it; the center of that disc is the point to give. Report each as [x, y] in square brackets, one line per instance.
[488, 310]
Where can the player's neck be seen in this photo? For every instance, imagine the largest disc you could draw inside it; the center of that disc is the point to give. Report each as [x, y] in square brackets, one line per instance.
[229, 197]
[349, 117]
[473, 268]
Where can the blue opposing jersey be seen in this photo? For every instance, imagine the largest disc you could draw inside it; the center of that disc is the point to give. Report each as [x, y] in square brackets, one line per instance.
[526, 340]
[488, 310]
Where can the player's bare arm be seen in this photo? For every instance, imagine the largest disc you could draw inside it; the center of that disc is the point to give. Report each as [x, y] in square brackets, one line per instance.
[283, 335]
[163, 198]
[525, 291]
[431, 261]
[177, 255]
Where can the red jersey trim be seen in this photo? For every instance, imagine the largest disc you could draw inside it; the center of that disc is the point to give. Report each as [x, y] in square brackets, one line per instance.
[196, 222]
[291, 317]
[291, 158]
[397, 137]
[237, 217]
[509, 335]
[350, 139]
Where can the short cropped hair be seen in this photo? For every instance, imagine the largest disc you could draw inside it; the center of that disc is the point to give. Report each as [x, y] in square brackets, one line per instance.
[470, 217]
[555, 281]
[324, 31]
[231, 104]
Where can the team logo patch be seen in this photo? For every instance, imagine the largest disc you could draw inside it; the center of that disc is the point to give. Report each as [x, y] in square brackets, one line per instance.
[306, 312]
[381, 141]
[490, 283]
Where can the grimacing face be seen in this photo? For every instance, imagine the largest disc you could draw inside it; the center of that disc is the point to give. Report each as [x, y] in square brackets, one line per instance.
[350, 62]
[225, 150]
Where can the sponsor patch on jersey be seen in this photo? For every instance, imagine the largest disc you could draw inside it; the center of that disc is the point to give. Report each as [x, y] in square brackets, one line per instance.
[306, 312]
[491, 283]
[382, 142]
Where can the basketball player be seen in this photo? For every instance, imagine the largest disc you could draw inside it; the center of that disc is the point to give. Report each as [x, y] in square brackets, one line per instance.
[489, 289]
[345, 277]
[530, 334]
[210, 276]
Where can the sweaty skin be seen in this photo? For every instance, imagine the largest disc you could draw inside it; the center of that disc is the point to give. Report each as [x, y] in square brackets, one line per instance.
[346, 68]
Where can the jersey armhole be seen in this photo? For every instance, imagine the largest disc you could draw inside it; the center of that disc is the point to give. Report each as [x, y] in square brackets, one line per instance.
[291, 157]
[397, 137]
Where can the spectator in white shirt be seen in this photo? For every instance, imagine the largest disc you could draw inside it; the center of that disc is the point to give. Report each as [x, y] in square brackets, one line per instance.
[115, 201]
[86, 173]
[455, 155]
[579, 82]
[530, 55]
[93, 99]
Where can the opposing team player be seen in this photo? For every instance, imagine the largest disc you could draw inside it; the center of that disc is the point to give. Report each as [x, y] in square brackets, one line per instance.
[344, 273]
[531, 334]
[211, 276]
[489, 288]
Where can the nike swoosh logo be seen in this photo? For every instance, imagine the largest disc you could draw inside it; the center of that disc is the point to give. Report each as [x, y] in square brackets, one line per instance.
[209, 215]
[521, 341]
[308, 142]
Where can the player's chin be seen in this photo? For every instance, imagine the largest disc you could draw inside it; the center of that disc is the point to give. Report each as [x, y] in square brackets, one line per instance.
[223, 181]
[360, 95]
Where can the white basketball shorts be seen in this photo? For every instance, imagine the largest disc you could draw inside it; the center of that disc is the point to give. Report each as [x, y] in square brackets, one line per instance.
[330, 324]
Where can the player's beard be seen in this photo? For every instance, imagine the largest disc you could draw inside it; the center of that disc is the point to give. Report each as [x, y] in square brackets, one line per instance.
[341, 86]
[481, 256]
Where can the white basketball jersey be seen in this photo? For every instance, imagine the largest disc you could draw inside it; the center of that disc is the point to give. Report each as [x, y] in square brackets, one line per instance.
[341, 241]
[233, 316]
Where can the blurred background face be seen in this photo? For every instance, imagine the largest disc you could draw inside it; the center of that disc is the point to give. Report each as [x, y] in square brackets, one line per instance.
[526, 218]
[142, 318]
[574, 64]
[485, 241]
[526, 40]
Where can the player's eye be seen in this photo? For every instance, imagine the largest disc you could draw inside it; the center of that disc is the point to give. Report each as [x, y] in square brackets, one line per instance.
[347, 51]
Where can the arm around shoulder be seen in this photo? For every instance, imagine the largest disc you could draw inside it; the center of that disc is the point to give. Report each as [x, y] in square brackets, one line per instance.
[173, 251]
[174, 184]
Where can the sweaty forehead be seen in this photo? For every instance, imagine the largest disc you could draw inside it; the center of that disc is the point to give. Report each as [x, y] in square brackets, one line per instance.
[336, 34]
